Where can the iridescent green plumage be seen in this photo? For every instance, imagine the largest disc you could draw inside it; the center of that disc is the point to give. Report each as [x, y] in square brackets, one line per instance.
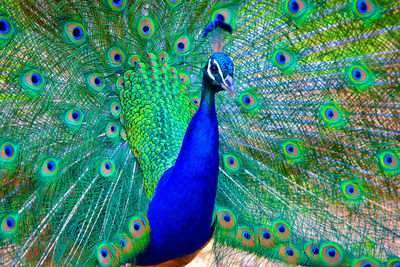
[94, 107]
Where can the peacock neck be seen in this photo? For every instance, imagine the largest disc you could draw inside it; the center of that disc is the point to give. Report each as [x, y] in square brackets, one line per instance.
[207, 97]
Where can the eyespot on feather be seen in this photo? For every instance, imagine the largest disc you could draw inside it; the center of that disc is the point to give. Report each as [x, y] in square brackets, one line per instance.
[281, 231]
[331, 255]
[117, 5]
[120, 83]
[266, 237]
[6, 28]
[112, 130]
[231, 162]
[134, 60]
[9, 225]
[351, 191]
[289, 254]
[49, 167]
[163, 57]
[115, 56]
[226, 219]
[223, 15]
[173, 3]
[107, 168]
[95, 82]
[74, 118]
[389, 160]
[332, 115]
[283, 59]
[245, 237]
[364, 8]
[394, 263]
[146, 27]
[8, 152]
[182, 45]
[360, 76]
[295, 8]
[123, 135]
[291, 150]
[33, 80]
[248, 101]
[106, 255]
[366, 262]
[312, 250]
[184, 79]
[115, 109]
[195, 102]
[75, 32]
[138, 227]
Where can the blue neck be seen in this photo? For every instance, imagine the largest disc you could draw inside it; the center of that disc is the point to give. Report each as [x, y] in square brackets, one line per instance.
[181, 210]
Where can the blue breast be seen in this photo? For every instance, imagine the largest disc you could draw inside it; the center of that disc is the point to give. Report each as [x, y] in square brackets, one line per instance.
[181, 211]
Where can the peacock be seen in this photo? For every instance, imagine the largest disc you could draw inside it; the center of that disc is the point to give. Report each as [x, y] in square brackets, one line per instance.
[139, 131]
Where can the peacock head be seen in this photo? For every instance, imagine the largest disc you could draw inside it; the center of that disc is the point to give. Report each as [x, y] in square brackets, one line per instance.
[219, 72]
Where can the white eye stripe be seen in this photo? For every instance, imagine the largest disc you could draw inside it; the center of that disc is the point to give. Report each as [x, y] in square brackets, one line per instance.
[219, 70]
[208, 70]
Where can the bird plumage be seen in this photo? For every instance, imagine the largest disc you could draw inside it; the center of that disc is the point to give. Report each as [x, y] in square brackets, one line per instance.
[96, 98]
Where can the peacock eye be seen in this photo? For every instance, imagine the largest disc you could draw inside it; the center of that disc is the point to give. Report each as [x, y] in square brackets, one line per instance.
[214, 69]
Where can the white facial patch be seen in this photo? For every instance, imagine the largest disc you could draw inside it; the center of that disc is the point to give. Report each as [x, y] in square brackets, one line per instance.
[209, 72]
[219, 70]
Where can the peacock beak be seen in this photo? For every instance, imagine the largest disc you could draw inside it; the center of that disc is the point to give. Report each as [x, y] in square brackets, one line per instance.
[228, 85]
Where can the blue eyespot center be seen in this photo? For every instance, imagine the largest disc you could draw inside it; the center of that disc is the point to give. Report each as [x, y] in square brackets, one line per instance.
[220, 17]
[226, 217]
[356, 74]
[35, 79]
[162, 58]
[77, 32]
[76, 115]
[10, 223]
[117, 108]
[104, 253]
[366, 264]
[50, 165]
[117, 3]
[117, 57]
[331, 252]
[362, 6]
[246, 235]
[107, 166]
[231, 161]
[281, 228]
[266, 235]
[329, 113]
[98, 81]
[290, 149]
[280, 57]
[8, 150]
[246, 100]
[113, 128]
[294, 6]
[4, 26]
[182, 80]
[136, 226]
[315, 250]
[181, 46]
[146, 29]
[388, 159]
[289, 252]
[123, 242]
[350, 189]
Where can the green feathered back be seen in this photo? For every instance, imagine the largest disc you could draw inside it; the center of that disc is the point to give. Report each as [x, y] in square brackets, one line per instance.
[95, 98]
